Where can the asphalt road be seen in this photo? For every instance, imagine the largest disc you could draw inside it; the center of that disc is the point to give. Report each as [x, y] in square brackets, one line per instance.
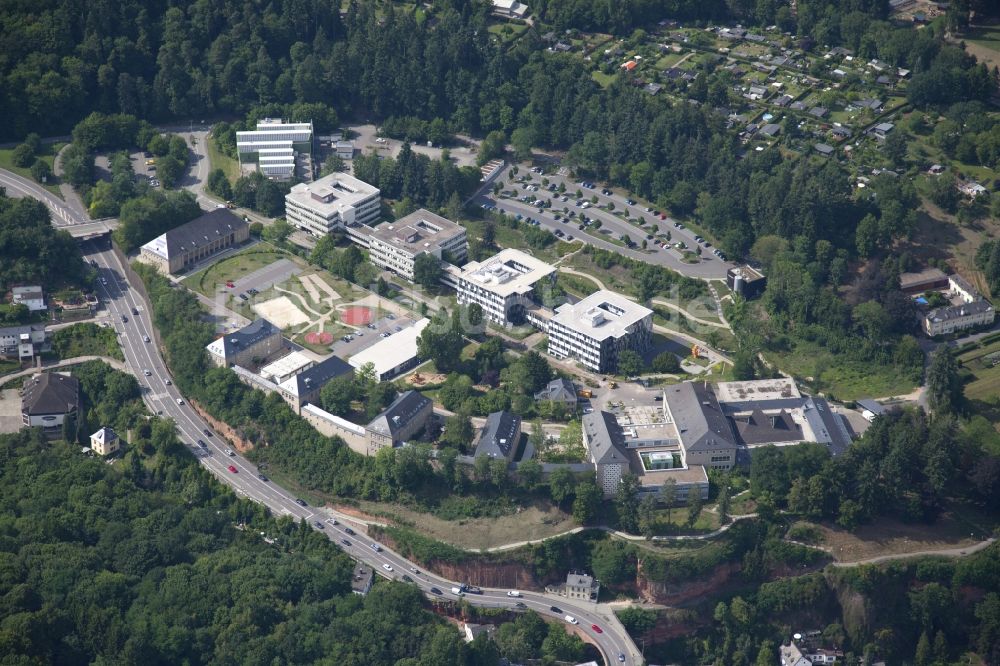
[710, 267]
[120, 299]
[16, 186]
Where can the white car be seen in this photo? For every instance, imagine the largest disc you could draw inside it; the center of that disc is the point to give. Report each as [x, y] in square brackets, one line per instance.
[229, 452]
[571, 619]
[147, 373]
[387, 567]
[514, 593]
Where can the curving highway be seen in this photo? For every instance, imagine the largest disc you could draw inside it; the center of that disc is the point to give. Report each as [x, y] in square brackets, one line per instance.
[142, 357]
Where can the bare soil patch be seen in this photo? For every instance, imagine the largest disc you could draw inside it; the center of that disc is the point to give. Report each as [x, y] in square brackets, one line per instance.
[892, 537]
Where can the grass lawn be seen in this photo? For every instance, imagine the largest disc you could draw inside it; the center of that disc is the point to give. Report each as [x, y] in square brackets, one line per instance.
[840, 377]
[602, 79]
[984, 43]
[507, 32]
[532, 523]
[48, 155]
[577, 285]
[668, 60]
[232, 268]
[218, 160]
[86, 339]
[983, 388]
[8, 366]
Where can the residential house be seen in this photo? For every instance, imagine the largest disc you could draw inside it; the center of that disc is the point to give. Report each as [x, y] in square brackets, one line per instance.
[30, 297]
[882, 130]
[770, 130]
[50, 400]
[797, 106]
[971, 311]
[559, 390]
[783, 101]
[470, 631]
[23, 342]
[971, 188]
[824, 149]
[818, 112]
[510, 9]
[582, 586]
[104, 442]
[500, 436]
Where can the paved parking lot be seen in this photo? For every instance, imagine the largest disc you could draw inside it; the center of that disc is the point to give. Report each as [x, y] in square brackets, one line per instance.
[264, 278]
[10, 410]
[366, 336]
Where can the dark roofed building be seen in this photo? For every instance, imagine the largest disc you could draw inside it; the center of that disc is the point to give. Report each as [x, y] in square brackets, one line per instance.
[254, 342]
[757, 428]
[306, 385]
[49, 400]
[405, 417]
[824, 149]
[605, 443]
[362, 579]
[500, 436]
[199, 239]
[701, 424]
[818, 112]
[559, 390]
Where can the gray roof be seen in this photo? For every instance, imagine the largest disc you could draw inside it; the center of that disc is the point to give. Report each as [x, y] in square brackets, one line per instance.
[50, 393]
[761, 428]
[818, 111]
[201, 231]
[248, 336]
[399, 414]
[605, 438]
[577, 579]
[500, 435]
[884, 127]
[558, 389]
[770, 129]
[17, 331]
[824, 148]
[700, 421]
[870, 405]
[318, 375]
[958, 311]
[362, 578]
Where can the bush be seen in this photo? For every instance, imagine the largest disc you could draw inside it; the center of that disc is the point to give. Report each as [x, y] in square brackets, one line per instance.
[23, 155]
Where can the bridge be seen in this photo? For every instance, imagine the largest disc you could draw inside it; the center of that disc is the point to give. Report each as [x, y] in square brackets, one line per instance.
[86, 230]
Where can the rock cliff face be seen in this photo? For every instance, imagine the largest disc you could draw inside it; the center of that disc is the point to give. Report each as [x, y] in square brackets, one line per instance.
[239, 443]
[676, 593]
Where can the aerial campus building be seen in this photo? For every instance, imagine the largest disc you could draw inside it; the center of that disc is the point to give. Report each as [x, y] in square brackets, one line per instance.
[274, 146]
[597, 329]
[504, 286]
[395, 246]
[178, 249]
[252, 344]
[335, 202]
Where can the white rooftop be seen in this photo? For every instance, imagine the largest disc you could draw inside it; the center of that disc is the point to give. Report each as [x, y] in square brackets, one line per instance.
[757, 389]
[507, 272]
[393, 351]
[286, 365]
[419, 231]
[601, 315]
[332, 193]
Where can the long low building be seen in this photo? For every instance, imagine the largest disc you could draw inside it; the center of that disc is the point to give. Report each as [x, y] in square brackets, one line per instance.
[393, 355]
[22, 342]
[193, 242]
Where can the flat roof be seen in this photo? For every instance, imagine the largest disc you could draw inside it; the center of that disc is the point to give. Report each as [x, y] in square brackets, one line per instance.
[601, 315]
[393, 351]
[921, 278]
[286, 365]
[420, 231]
[332, 193]
[757, 389]
[508, 272]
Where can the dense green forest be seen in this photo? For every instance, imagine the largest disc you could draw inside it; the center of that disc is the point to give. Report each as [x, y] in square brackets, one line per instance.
[32, 250]
[150, 561]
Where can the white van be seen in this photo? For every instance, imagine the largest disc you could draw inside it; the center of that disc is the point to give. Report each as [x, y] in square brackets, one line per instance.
[571, 619]
[179, 401]
[457, 590]
[514, 593]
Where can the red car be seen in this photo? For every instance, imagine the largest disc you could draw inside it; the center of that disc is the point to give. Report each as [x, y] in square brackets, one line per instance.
[597, 629]
[232, 469]
[230, 284]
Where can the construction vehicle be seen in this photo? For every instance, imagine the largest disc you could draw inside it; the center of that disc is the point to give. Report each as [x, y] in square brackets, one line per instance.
[585, 393]
[613, 385]
[695, 351]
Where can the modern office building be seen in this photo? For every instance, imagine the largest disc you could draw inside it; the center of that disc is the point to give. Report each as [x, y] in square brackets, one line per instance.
[334, 202]
[104, 442]
[505, 285]
[395, 246]
[598, 328]
[273, 146]
[305, 386]
[251, 345]
[404, 418]
[50, 400]
[207, 235]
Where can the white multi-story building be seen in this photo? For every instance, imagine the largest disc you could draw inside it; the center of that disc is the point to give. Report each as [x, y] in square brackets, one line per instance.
[597, 329]
[969, 310]
[394, 246]
[504, 285]
[274, 145]
[104, 442]
[333, 202]
[30, 297]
